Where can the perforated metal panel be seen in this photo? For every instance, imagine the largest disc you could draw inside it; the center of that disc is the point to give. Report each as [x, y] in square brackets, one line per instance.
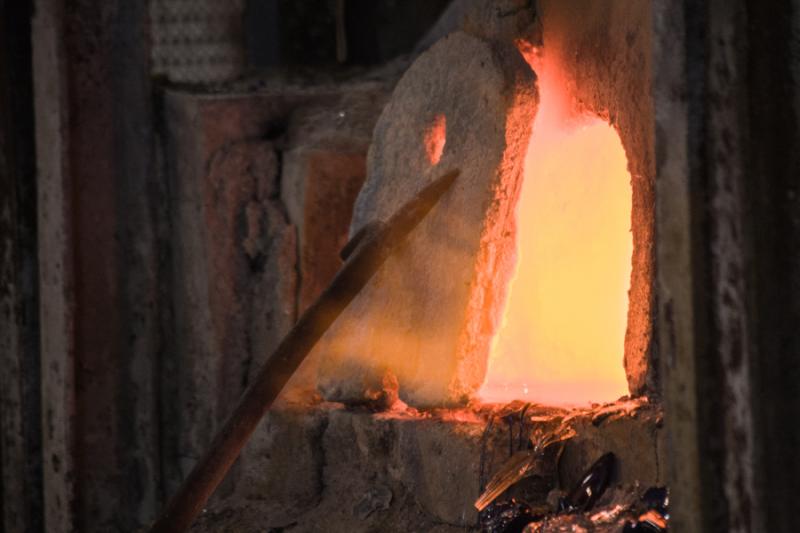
[197, 40]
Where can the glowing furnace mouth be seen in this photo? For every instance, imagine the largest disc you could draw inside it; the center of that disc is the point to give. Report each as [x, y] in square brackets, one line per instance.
[562, 336]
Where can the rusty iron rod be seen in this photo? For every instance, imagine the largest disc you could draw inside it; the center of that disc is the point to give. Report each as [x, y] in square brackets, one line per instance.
[365, 258]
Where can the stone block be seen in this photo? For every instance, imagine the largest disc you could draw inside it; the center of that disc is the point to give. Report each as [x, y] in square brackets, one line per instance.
[405, 470]
[321, 186]
[324, 166]
[500, 20]
[250, 249]
[233, 257]
[284, 459]
[428, 315]
[233, 158]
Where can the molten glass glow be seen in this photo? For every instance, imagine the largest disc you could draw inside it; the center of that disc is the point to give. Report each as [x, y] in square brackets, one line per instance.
[562, 336]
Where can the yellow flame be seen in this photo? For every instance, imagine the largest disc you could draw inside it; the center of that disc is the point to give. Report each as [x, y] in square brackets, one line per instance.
[561, 340]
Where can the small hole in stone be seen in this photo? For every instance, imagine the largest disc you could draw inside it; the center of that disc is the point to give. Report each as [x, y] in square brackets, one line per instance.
[435, 139]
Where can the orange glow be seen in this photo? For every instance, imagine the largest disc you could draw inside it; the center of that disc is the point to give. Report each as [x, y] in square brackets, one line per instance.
[435, 138]
[561, 340]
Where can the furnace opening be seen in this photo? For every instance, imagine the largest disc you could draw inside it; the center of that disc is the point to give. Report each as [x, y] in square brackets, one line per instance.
[562, 336]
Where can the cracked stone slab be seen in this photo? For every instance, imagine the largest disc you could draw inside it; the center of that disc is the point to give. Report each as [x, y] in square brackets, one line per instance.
[428, 315]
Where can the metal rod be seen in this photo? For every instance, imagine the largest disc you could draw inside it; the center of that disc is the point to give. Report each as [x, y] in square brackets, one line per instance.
[363, 262]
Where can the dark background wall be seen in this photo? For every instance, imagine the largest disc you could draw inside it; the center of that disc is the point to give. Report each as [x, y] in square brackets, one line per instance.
[20, 434]
[772, 219]
[726, 98]
[98, 264]
[327, 32]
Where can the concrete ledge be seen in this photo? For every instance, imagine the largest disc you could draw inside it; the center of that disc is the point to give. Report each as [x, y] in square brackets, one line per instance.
[327, 467]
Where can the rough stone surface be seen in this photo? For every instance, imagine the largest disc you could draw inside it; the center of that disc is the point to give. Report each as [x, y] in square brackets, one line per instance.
[427, 316]
[284, 460]
[238, 208]
[678, 318]
[322, 185]
[409, 471]
[324, 166]
[640, 449]
[604, 50]
[234, 277]
[501, 20]
[55, 276]
[250, 250]
[20, 386]
[99, 308]
[728, 267]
